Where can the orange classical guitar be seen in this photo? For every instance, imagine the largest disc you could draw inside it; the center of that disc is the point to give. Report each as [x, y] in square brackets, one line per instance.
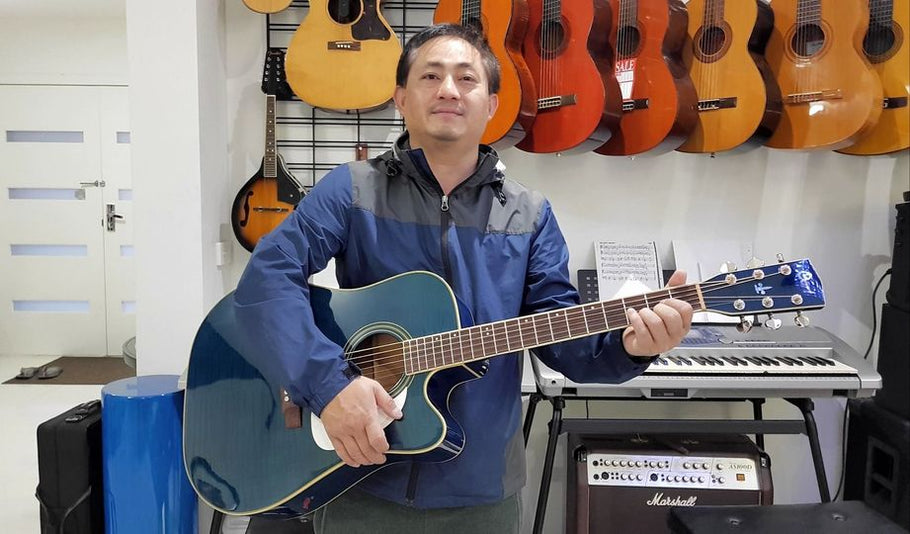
[831, 95]
[885, 46]
[659, 103]
[738, 99]
[504, 24]
[578, 99]
[343, 56]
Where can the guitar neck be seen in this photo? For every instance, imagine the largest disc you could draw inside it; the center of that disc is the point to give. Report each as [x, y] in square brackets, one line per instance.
[270, 167]
[484, 341]
[470, 13]
[628, 13]
[714, 12]
[881, 12]
[552, 13]
[808, 11]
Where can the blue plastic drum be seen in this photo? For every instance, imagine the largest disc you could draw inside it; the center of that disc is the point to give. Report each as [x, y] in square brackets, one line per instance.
[145, 485]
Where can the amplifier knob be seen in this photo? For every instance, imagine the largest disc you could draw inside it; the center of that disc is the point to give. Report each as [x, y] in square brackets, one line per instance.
[705, 465]
[622, 463]
[622, 476]
[701, 479]
[720, 467]
[639, 464]
[721, 480]
[685, 479]
[686, 465]
[639, 477]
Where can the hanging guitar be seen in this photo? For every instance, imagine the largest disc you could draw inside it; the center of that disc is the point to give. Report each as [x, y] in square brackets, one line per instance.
[271, 194]
[244, 454]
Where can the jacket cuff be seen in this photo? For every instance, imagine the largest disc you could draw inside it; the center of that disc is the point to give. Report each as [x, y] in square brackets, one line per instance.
[327, 390]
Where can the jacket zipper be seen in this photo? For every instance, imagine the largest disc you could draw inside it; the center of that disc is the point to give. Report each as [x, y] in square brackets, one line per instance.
[412, 484]
[444, 221]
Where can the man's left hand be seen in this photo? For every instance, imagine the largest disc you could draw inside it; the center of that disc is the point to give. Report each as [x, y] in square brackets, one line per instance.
[658, 329]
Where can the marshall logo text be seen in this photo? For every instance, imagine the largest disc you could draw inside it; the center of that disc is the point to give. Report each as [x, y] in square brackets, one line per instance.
[660, 500]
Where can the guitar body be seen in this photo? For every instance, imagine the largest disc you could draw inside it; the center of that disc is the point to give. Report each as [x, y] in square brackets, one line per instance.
[831, 95]
[578, 100]
[240, 456]
[267, 6]
[262, 203]
[505, 27]
[659, 99]
[343, 60]
[738, 97]
[886, 48]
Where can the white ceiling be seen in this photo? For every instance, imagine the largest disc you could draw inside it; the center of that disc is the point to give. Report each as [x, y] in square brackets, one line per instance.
[63, 8]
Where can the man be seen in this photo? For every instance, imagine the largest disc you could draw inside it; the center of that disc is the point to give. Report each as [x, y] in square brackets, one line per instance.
[439, 202]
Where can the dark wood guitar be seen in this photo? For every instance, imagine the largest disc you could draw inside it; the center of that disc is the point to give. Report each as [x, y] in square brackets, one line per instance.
[831, 95]
[738, 99]
[271, 194]
[578, 99]
[244, 454]
[504, 24]
[343, 56]
[659, 102]
[885, 46]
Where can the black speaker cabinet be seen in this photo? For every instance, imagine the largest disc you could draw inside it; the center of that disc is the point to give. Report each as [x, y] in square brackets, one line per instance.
[878, 460]
[628, 483]
[894, 361]
[898, 294]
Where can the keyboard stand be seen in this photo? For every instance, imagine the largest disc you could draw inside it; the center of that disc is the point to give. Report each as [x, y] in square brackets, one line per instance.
[757, 426]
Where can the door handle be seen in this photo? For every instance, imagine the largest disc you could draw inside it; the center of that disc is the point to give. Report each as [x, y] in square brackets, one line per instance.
[96, 183]
[111, 216]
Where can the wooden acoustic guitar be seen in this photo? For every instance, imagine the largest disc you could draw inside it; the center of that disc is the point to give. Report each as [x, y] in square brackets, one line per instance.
[738, 99]
[885, 46]
[578, 99]
[267, 6]
[271, 194]
[659, 102]
[343, 56]
[504, 24]
[831, 95]
[248, 450]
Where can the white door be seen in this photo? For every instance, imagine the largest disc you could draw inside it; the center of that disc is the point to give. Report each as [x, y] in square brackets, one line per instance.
[66, 281]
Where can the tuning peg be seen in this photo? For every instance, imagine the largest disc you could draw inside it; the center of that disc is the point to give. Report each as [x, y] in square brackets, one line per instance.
[801, 320]
[772, 323]
[780, 258]
[727, 267]
[755, 263]
[745, 324]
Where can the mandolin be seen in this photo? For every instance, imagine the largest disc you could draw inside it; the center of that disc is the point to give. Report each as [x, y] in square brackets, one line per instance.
[738, 99]
[504, 26]
[578, 100]
[659, 103]
[343, 56]
[831, 95]
[885, 46]
[267, 6]
[271, 194]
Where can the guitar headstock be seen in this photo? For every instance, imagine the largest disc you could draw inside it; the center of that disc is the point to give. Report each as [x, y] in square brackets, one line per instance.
[782, 287]
[274, 81]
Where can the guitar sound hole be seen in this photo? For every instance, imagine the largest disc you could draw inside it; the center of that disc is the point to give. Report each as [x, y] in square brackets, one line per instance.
[808, 40]
[381, 358]
[627, 41]
[552, 35]
[712, 40]
[342, 11]
[879, 40]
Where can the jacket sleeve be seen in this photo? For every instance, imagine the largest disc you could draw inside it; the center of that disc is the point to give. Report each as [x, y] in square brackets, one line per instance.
[596, 358]
[272, 300]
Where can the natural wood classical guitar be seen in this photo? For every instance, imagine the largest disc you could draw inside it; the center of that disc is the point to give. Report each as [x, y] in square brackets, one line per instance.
[267, 6]
[659, 103]
[504, 24]
[885, 46]
[831, 95]
[270, 195]
[578, 99]
[738, 99]
[343, 56]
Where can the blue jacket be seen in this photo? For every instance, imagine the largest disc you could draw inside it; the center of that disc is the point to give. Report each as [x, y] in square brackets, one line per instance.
[498, 246]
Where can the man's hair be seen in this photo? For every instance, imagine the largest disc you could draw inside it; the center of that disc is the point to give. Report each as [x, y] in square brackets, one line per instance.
[465, 33]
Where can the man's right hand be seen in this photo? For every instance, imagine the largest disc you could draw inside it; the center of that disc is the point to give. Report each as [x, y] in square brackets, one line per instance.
[351, 421]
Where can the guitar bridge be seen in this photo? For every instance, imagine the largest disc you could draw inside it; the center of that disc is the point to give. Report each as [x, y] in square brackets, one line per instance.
[636, 103]
[262, 209]
[717, 103]
[353, 46]
[551, 102]
[813, 96]
[293, 415]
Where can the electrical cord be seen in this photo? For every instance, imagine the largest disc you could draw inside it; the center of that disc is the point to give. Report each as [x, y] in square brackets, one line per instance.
[846, 422]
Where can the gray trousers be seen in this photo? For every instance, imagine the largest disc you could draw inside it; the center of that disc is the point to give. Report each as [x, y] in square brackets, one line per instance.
[357, 512]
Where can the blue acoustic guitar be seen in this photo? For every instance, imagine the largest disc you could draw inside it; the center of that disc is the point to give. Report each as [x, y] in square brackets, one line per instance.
[248, 450]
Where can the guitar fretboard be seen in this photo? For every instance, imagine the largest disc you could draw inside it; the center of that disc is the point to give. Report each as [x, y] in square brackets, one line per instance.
[484, 341]
[714, 12]
[269, 168]
[808, 12]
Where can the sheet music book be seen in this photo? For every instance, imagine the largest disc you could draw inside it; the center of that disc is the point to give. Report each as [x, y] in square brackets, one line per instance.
[625, 268]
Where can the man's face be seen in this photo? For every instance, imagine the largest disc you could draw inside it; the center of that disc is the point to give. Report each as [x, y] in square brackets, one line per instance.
[446, 97]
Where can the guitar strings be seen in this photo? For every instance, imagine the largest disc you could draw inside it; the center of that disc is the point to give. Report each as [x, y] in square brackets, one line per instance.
[382, 357]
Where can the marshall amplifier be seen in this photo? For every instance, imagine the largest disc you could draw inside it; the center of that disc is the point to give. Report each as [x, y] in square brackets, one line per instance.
[627, 483]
